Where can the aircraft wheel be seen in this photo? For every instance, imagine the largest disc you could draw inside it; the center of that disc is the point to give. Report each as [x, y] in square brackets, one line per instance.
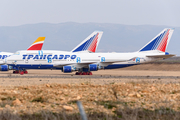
[90, 73]
[22, 72]
[84, 73]
[80, 73]
[77, 73]
[15, 72]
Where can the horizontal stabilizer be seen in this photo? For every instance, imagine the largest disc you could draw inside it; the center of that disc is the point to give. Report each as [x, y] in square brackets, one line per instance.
[161, 56]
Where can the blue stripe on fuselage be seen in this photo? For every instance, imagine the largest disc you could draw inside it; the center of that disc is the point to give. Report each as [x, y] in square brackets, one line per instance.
[116, 66]
[113, 66]
[32, 66]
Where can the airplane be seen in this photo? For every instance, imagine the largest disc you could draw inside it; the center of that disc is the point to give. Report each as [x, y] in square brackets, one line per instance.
[36, 45]
[85, 63]
[88, 45]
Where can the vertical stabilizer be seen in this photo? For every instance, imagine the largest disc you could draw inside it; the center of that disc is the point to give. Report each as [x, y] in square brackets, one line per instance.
[37, 45]
[90, 44]
[160, 42]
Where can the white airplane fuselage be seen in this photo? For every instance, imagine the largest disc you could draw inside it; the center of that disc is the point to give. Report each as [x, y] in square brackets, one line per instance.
[48, 59]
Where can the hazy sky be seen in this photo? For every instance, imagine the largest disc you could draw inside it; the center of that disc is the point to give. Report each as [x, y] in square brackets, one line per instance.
[129, 12]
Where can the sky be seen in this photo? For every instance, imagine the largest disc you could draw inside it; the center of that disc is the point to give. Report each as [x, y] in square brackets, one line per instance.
[128, 12]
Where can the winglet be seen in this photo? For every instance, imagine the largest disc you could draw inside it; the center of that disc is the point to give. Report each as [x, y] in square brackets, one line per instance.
[90, 44]
[160, 42]
[37, 45]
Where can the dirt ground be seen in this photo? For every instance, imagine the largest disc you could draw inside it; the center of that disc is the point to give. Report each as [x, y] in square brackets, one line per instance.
[147, 72]
[148, 87]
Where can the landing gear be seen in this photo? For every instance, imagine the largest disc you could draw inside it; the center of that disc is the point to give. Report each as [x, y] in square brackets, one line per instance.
[22, 72]
[16, 71]
[83, 73]
[25, 72]
[77, 73]
[90, 73]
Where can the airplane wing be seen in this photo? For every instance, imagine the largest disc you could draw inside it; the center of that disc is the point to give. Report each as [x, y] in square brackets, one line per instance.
[161, 56]
[90, 44]
[37, 44]
[2, 63]
[84, 64]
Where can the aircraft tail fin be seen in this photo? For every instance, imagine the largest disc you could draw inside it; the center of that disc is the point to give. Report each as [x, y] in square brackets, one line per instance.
[90, 44]
[37, 44]
[160, 42]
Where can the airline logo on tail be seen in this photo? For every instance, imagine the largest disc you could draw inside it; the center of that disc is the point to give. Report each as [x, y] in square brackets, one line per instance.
[162, 45]
[90, 43]
[160, 42]
[37, 45]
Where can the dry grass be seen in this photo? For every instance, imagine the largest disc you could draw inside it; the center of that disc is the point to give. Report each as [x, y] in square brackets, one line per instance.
[132, 100]
[120, 114]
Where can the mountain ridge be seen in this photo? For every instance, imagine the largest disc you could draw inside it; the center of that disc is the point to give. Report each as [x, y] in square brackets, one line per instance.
[65, 36]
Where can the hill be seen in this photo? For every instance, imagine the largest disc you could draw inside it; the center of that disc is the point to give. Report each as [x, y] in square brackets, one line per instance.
[65, 36]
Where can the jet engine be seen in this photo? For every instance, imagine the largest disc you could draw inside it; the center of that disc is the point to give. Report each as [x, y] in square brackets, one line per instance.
[93, 67]
[67, 69]
[4, 68]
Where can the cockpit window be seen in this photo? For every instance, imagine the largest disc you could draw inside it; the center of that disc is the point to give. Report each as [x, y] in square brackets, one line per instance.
[16, 53]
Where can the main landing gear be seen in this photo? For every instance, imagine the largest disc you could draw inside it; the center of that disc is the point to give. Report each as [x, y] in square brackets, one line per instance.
[83, 73]
[22, 72]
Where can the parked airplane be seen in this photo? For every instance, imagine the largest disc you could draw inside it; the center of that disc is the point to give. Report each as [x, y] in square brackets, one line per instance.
[36, 45]
[89, 45]
[84, 63]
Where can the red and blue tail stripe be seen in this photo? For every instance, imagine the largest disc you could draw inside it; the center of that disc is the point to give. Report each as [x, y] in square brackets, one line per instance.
[160, 42]
[89, 45]
[163, 44]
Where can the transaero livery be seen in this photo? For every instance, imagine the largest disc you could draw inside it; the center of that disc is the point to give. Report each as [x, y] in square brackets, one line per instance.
[85, 62]
[88, 45]
[37, 45]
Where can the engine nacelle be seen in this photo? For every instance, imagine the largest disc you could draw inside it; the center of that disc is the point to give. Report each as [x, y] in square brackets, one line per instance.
[93, 67]
[4, 68]
[67, 69]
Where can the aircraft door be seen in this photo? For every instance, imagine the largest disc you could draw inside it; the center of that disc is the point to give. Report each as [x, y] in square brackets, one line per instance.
[49, 59]
[40, 53]
[102, 59]
[78, 60]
